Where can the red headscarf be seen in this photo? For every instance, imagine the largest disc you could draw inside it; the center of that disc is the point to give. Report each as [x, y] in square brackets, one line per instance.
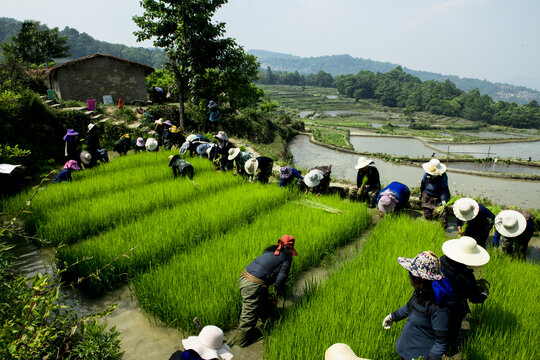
[286, 240]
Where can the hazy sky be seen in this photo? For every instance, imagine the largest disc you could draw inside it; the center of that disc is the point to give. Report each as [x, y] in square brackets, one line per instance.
[496, 40]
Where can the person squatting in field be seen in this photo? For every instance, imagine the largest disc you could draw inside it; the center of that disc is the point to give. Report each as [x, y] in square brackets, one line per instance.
[425, 332]
[434, 190]
[473, 219]
[367, 181]
[271, 267]
[180, 167]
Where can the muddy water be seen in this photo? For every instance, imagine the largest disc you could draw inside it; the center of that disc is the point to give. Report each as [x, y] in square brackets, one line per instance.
[510, 150]
[390, 145]
[498, 167]
[508, 192]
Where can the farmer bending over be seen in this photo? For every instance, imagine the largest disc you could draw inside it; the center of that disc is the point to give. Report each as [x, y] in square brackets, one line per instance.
[207, 346]
[318, 179]
[180, 167]
[514, 231]
[367, 181]
[394, 197]
[65, 174]
[271, 267]
[478, 220]
[262, 163]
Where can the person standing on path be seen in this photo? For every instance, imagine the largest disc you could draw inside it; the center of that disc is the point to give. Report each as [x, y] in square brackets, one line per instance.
[434, 190]
[271, 267]
[72, 148]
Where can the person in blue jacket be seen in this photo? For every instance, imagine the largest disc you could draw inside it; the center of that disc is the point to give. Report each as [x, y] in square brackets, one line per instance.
[514, 230]
[289, 175]
[394, 197]
[213, 116]
[271, 267]
[425, 332]
[434, 190]
[65, 174]
[478, 218]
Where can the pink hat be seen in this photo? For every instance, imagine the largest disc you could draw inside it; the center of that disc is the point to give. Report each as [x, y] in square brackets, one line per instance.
[72, 164]
[387, 201]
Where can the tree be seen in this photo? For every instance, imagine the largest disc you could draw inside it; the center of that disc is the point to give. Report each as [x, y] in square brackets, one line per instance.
[193, 43]
[33, 45]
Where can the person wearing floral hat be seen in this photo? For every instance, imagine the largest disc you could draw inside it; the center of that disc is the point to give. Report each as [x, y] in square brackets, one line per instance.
[514, 230]
[478, 218]
[425, 332]
[65, 174]
[434, 190]
[209, 345]
[367, 181]
[459, 256]
[271, 267]
[289, 175]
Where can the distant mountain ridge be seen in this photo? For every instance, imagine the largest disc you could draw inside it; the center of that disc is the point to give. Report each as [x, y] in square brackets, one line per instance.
[346, 64]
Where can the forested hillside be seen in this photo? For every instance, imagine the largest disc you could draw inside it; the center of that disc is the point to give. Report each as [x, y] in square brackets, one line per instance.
[346, 64]
[82, 44]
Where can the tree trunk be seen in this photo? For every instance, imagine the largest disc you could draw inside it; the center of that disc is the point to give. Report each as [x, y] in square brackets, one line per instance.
[179, 85]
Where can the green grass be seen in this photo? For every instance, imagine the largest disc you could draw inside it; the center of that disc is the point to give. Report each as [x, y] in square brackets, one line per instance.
[203, 280]
[332, 136]
[153, 239]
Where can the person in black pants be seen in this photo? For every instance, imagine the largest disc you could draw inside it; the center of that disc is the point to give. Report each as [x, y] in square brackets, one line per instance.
[262, 163]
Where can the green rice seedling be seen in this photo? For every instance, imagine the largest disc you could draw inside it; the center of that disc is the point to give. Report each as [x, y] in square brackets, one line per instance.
[84, 218]
[506, 326]
[350, 306]
[155, 238]
[203, 281]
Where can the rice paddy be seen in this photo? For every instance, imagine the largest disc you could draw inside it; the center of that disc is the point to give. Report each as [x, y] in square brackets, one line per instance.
[182, 246]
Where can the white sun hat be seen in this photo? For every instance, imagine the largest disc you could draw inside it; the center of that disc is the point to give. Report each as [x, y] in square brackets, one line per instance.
[91, 126]
[510, 223]
[466, 209]
[340, 352]
[233, 153]
[434, 167]
[251, 166]
[151, 144]
[313, 177]
[363, 162]
[466, 251]
[209, 344]
[222, 135]
[85, 157]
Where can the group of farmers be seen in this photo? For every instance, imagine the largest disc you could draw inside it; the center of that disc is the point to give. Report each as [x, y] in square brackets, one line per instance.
[442, 287]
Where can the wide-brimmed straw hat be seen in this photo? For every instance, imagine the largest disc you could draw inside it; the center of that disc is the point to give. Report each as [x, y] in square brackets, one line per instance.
[340, 352]
[313, 177]
[222, 135]
[363, 162]
[151, 144]
[424, 265]
[209, 344]
[140, 142]
[72, 164]
[434, 167]
[510, 223]
[174, 129]
[91, 126]
[466, 251]
[285, 172]
[466, 209]
[388, 201]
[70, 132]
[85, 157]
[251, 166]
[233, 153]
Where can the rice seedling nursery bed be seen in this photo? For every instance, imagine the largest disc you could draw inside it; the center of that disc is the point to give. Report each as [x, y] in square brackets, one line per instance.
[351, 305]
[203, 281]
